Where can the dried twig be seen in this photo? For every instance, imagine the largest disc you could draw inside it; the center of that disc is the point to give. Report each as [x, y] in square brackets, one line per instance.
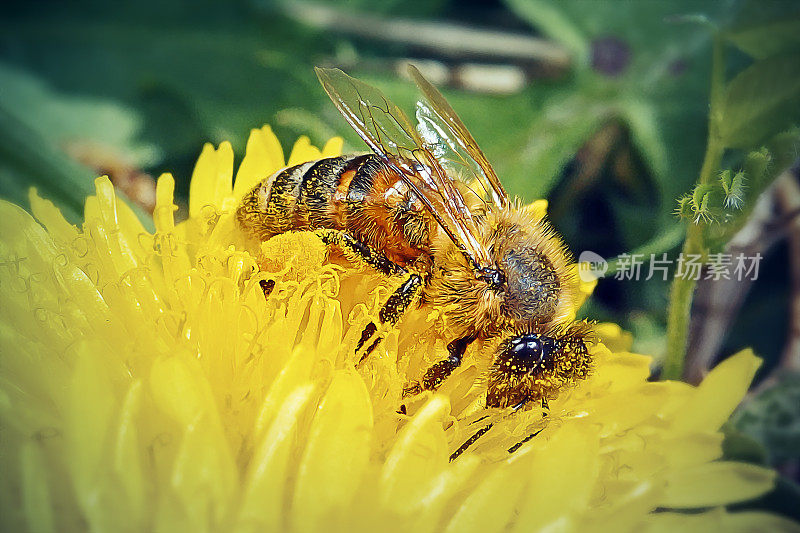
[788, 198]
[446, 39]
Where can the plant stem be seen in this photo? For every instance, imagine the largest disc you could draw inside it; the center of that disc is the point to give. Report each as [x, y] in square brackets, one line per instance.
[682, 291]
[680, 304]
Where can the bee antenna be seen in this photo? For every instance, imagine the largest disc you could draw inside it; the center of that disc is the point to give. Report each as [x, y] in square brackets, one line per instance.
[470, 441]
[518, 445]
[481, 432]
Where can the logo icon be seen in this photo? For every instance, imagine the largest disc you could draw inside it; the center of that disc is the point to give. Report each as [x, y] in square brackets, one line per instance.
[591, 266]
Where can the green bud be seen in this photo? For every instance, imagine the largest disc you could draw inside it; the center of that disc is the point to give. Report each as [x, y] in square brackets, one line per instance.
[703, 213]
[725, 180]
[699, 194]
[734, 194]
[685, 209]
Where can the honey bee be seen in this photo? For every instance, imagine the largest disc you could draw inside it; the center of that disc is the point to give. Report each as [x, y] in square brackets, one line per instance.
[427, 208]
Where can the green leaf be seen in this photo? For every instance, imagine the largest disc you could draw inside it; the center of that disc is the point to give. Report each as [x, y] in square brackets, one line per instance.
[193, 76]
[761, 101]
[642, 120]
[29, 160]
[550, 140]
[648, 28]
[65, 120]
[773, 418]
[739, 446]
[769, 39]
[555, 22]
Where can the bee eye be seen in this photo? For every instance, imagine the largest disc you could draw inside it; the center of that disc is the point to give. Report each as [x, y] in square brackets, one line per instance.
[494, 277]
[528, 353]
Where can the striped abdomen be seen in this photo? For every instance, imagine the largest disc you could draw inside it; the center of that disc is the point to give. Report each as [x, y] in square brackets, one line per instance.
[357, 194]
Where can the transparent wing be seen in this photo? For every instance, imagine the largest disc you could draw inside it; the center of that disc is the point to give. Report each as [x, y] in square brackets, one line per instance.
[380, 123]
[440, 126]
[389, 133]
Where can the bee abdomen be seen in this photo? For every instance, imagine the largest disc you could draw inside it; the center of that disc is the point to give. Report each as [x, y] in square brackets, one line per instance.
[345, 193]
[294, 198]
[358, 194]
[317, 188]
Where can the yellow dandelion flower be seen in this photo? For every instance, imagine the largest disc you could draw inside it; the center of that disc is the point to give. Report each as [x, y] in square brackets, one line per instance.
[176, 382]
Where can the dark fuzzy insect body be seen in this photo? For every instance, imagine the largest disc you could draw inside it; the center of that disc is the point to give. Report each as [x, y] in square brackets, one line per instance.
[492, 267]
[387, 227]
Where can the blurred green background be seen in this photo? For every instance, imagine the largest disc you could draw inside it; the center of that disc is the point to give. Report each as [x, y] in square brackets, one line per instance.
[599, 106]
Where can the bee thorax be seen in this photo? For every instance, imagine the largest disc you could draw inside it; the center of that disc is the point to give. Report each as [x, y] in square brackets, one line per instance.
[533, 287]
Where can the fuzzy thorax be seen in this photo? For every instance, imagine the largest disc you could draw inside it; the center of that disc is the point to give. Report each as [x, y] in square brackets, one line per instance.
[539, 288]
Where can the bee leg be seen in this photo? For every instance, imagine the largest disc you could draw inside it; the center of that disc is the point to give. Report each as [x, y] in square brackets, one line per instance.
[398, 303]
[400, 300]
[356, 250]
[440, 371]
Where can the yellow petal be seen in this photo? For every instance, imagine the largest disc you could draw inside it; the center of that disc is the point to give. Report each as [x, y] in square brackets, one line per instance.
[623, 512]
[538, 208]
[204, 475]
[51, 218]
[719, 393]
[92, 403]
[491, 505]
[128, 460]
[36, 502]
[26, 241]
[303, 152]
[333, 147]
[719, 520]
[131, 227]
[262, 507]
[21, 233]
[443, 488]
[616, 412]
[164, 212]
[693, 449]
[180, 389]
[614, 337]
[417, 458]
[263, 157]
[716, 483]
[586, 285]
[115, 244]
[619, 371]
[336, 454]
[563, 474]
[212, 179]
[295, 373]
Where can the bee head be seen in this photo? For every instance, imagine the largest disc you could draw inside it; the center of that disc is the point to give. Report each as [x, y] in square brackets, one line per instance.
[535, 366]
[529, 354]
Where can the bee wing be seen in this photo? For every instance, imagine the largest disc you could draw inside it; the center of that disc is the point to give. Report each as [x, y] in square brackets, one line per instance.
[440, 125]
[389, 133]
